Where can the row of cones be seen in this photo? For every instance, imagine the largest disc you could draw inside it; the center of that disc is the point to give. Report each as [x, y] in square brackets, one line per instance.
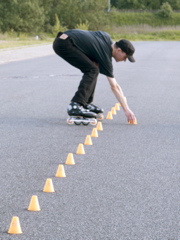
[88, 141]
[113, 112]
[15, 227]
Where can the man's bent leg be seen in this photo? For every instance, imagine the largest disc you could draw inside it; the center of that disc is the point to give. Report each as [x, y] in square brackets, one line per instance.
[86, 86]
[67, 50]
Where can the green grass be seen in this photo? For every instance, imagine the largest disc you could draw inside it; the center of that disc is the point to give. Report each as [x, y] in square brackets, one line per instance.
[163, 36]
[121, 18]
[9, 44]
[14, 40]
[146, 33]
[141, 32]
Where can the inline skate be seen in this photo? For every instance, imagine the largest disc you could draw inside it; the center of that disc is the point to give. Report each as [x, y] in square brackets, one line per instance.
[92, 108]
[79, 115]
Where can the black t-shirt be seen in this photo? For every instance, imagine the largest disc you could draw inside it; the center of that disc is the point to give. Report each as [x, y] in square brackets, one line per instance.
[96, 45]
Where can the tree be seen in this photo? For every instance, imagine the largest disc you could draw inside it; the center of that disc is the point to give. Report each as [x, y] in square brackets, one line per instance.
[6, 14]
[149, 4]
[165, 10]
[30, 16]
[95, 11]
[175, 4]
[144, 4]
[72, 12]
[83, 26]
[126, 4]
[22, 16]
[50, 10]
[58, 27]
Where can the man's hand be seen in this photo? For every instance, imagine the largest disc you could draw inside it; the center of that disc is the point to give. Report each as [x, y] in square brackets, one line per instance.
[130, 116]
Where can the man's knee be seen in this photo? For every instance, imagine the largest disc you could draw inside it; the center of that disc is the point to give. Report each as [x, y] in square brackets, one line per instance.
[94, 71]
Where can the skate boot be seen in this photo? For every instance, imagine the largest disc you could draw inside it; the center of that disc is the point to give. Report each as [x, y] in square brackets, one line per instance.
[78, 114]
[95, 109]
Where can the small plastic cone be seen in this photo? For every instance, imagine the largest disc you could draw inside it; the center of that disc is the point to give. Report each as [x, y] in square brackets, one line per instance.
[80, 149]
[48, 187]
[94, 132]
[60, 171]
[133, 122]
[88, 140]
[99, 126]
[34, 204]
[15, 227]
[109, 116]
[117, 106]
[113, 110]
[70, 159]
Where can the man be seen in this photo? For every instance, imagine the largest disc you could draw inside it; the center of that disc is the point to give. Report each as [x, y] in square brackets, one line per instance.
[92, 53]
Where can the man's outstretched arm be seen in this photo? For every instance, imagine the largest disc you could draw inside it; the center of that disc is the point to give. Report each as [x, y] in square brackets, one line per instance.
[121, 99]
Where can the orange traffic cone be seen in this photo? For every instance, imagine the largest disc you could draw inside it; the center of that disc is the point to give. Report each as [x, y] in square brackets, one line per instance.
[70, 159]
[80, 149]
[109, 115]
[94, 133]
[99, 126]
[88, 140]
[60, 171]
[15, 227]
[133, 122]
[48, 187]
[117, 106]
[34, 204]
[113, 110]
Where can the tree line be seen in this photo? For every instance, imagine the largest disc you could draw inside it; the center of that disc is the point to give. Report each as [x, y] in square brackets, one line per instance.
[40, 16]
[144, 4]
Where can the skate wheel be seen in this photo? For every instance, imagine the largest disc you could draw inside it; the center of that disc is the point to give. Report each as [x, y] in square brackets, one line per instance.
[94, 122]
[77, 123]
[69, 121]
[85, 123]
[100, 116]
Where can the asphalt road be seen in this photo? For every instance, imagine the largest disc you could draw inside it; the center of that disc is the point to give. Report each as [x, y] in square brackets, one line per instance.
[127, 185]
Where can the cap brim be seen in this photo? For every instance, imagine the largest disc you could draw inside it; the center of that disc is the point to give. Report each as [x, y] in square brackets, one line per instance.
[131, 59]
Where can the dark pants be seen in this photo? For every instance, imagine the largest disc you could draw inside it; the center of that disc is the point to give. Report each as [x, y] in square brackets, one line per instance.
[66, 49]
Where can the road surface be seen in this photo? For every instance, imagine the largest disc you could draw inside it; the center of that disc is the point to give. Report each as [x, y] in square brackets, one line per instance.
[127, 185]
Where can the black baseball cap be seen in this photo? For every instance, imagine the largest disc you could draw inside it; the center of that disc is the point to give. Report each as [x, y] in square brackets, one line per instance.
[127, 47]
